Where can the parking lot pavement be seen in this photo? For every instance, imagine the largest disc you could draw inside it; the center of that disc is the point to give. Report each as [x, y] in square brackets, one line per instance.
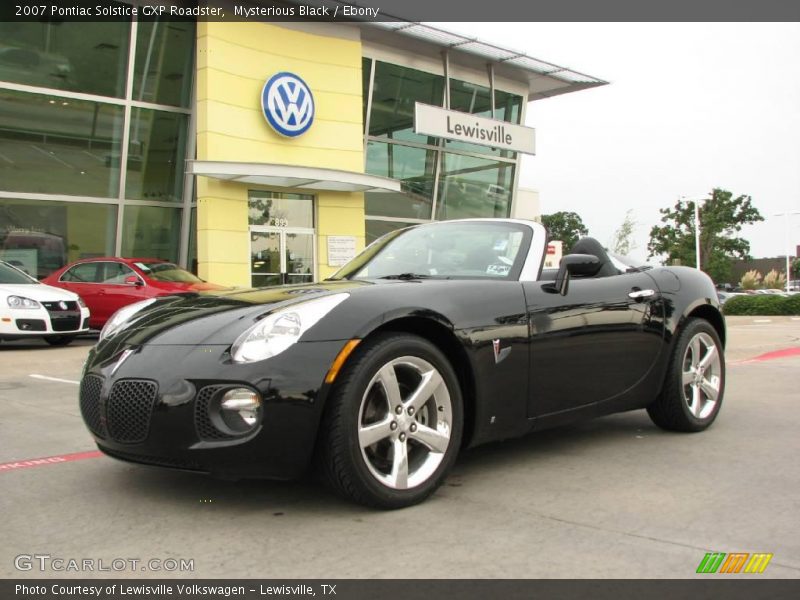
[615, 497]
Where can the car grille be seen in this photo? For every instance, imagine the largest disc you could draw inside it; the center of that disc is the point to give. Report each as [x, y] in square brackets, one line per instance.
[64, 306]
[125, 416]
[129, 408]
[64, 315]
[65, 323]
[202, 419]
[90, 404]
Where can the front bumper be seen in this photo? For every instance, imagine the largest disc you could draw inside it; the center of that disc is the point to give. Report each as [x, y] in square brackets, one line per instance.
[39, 322]
[149, 405]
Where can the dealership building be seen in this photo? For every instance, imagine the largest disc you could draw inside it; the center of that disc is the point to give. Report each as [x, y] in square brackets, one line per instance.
[254, 153]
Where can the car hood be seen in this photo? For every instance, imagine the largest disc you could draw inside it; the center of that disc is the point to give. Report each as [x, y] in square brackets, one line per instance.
[214, 319]
[176, 286]
[37, 291]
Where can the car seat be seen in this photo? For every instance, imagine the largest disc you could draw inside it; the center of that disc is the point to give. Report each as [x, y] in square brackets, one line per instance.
[591, 246]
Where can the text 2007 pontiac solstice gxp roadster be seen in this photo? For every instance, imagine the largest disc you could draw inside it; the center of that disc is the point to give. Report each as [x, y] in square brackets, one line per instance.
[436, 337]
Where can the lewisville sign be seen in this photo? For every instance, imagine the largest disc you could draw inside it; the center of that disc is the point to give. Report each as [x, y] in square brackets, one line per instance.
[464, 127]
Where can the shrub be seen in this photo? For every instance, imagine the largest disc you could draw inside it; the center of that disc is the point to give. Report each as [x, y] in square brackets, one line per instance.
[774, 280]
[750, 280]
[763, 304]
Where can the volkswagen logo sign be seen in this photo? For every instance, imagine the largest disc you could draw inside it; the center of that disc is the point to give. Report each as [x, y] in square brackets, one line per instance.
[63, 305]
[288, 104]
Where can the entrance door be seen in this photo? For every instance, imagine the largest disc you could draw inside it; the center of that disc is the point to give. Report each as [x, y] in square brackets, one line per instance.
[282, 239]
[281, 255]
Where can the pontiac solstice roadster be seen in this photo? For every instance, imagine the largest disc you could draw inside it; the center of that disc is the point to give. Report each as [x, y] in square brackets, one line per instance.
[436, 337]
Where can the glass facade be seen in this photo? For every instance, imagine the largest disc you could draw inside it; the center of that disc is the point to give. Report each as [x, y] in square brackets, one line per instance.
[95, 131]
[94, 121]
[441, 179]
[41, 236]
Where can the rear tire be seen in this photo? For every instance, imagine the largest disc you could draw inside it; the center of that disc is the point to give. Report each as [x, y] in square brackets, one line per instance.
[695, 383]
[59, 340]
[393, 425]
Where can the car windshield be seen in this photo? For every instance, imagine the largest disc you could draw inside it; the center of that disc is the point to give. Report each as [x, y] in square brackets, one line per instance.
[164, 271]
[456, 250]
[13, 276]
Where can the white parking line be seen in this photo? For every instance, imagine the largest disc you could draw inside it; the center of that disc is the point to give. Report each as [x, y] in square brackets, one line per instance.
[37, 376]
[762, 320]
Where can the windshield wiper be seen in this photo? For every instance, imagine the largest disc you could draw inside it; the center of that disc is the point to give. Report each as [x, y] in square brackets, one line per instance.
[406, 276]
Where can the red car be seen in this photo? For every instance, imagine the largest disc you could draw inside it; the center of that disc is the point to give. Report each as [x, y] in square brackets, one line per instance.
[107, 284]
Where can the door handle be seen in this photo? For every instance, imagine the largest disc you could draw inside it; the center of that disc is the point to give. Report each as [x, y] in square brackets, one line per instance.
[640, 294]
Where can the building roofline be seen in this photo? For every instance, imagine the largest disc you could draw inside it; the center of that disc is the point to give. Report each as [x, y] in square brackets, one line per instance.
[545, 79]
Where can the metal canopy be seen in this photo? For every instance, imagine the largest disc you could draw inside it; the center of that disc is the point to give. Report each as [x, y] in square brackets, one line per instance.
[544, 78]
[288, 176]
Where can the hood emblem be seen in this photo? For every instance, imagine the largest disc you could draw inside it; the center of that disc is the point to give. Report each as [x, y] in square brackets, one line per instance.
[500, 354]
[63, 305]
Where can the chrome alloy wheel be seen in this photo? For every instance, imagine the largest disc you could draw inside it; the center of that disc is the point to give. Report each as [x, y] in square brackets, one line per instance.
[701, 375]
[405, 422]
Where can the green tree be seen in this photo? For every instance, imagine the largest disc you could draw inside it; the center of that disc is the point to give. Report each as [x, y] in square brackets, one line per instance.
[565, 226]
[622, 241]
[721, 217]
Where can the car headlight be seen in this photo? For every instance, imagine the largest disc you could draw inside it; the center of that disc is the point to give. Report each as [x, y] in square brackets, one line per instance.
[22, 302]
[81, 303]
[120, 319]
[280, 330]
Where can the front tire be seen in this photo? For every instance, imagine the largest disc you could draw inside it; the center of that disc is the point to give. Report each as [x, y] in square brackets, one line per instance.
[59, 340]
[394, 422]
[695, 384]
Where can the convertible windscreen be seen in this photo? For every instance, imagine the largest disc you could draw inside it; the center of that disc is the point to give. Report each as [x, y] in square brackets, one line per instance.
[448, 251]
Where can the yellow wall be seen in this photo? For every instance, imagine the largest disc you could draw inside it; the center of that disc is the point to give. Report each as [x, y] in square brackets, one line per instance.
[234, 60]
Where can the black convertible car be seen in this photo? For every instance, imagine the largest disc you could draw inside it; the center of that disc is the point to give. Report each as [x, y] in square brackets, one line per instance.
[436, 337]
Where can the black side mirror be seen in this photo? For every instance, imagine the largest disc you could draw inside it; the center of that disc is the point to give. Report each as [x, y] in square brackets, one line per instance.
[585, 265]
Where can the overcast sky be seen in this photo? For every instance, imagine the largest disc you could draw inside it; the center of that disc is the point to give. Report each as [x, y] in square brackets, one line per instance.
[690, 107]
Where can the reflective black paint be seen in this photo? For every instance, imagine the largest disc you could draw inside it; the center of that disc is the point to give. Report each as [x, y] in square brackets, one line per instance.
[530, 358]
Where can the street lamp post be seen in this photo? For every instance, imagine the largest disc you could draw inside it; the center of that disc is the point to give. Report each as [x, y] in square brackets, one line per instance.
[785, 216]
[696, 201]
[697, 233]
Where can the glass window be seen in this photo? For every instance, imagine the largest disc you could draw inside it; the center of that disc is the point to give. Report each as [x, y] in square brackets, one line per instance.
[192, 258]
[470, 98]
[59, 145]
[394, 92]
[281, 210]
[507, 106]
[163, 66]
[472, 187]
[115, 273]
[376, 229]
[152, 232]
[78, 56]
[43, 236]
[84, 273]
[366, 66]
[156, 155]
[414, 168]
[13, 274]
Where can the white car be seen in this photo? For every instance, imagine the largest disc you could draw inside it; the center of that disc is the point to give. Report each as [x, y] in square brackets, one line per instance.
[29, 308]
